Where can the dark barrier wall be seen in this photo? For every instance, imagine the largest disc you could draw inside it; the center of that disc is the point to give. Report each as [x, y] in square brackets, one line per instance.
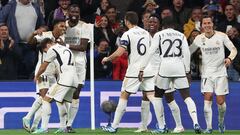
[16, 99]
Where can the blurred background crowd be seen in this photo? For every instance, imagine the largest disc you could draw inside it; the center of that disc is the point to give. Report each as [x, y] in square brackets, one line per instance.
[20, 18]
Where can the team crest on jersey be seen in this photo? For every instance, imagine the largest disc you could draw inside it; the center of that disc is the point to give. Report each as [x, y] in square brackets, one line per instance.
[203, 40]
[218, 42]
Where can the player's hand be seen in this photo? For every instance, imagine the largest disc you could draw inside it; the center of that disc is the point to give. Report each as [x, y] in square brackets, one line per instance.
[189, 77]
[227, 62]
[140, 76]
[37, 79]
[104, 60]
[11, 43]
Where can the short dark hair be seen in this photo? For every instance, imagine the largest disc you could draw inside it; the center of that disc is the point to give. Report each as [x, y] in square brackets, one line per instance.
[132, 17]
[73, 6]
[168, 22]
[155, 15]
[44, 42]
[3, 24]
[57, 21]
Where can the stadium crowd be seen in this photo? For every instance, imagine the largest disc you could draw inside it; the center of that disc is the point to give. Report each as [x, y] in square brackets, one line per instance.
[18, 58]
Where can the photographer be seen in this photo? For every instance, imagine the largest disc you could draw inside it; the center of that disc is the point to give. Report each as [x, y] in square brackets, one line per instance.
[8, 57]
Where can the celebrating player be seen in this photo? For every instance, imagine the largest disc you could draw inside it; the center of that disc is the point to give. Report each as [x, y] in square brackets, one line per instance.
[137, 41]
[62, 91]
[214, 74]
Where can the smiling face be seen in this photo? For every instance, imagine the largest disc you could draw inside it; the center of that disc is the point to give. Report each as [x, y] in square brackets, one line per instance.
[104, 22]
[4, 33]
[153, 24]
[74, 14]
[104, 4]
[207, 25]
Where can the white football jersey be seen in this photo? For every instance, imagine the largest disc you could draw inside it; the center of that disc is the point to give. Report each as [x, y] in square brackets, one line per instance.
[213, 54]
[73, 37]
[137, 41]
[64, 61]
[155, 59]
[174, 53]
[51, 69]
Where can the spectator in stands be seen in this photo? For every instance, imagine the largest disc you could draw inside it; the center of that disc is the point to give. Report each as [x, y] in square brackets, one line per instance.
[22, 18]
[101, 51]
[150, 6]
[111, 13]
[236, 4]
[181, 14]
[8, 56]
[120, 67]
[145, 18]
[193, 22]
[214, 10]
[87, 9]
[232, 70]
[196, 56]
[59, 13]
[103, 30]
[166, 11]
[230, 19]
[101, 10]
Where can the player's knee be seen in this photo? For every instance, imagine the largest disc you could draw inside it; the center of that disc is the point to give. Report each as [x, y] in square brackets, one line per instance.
[184, 93]
[144, 97]
[159, 92]
[169, 97]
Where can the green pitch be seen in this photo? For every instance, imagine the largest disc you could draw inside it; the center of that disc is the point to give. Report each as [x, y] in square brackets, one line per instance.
[125, 131]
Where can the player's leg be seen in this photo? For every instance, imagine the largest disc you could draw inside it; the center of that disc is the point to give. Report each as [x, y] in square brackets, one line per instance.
[207, 86]
[183, 86]
[221, 90]
[221, 112]
[35, 107]
[145, 110]
[74, 106]
[62, 117]
[46, 111]
[36, 120]
[208, 97]
[129, 85]
[73, 109]
[175, 112]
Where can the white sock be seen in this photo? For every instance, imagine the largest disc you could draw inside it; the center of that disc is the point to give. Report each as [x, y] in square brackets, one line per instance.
[35, 106]
[46, 111]
[72, 112]
[221, 112]
[158, 109]
[120, 110]
[192, 109]
[62, 114]
[208, 113]
[37, 118]
[176, 113]
[145, 110]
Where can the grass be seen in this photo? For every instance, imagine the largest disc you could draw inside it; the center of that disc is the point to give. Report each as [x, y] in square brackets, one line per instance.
[125, 131]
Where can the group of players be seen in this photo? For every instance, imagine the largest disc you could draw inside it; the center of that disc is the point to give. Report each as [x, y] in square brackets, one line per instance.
[159, 63]
[62, 55]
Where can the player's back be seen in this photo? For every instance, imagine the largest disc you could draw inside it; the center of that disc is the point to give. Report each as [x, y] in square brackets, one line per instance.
[64, 58]
[173, 46]
[138, 48]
